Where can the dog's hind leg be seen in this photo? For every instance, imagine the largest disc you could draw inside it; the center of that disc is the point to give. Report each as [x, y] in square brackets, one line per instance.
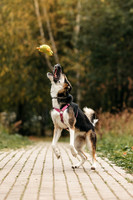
[79, 144]
[91, 144]
[81, 162]
[57, 134]
[72, 121]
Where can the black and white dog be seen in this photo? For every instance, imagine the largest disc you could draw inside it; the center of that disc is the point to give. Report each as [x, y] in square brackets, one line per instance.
[67, 115]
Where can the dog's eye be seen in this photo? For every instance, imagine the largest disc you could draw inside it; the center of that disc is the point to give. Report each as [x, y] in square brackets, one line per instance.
[59, 81]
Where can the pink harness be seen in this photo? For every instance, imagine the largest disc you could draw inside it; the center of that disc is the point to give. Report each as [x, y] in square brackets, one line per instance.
[61, 111]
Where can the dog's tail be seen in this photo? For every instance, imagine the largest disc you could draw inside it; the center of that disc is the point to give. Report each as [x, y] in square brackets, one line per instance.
[90, 113]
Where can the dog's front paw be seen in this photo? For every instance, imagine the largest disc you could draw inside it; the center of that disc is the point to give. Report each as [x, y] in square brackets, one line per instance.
[58, 156]
[57, 153]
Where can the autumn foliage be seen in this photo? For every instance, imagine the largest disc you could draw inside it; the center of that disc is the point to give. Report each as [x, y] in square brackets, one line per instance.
[92, 40]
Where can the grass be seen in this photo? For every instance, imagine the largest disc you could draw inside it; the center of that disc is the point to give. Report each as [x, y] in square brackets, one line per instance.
[115, 139]
[118, 149]
[8, 141]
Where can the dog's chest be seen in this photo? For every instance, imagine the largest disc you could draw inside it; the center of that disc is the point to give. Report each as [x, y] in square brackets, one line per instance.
[56, 118]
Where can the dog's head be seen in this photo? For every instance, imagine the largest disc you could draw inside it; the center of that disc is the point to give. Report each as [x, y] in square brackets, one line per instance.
[58, 79]
[56, 76]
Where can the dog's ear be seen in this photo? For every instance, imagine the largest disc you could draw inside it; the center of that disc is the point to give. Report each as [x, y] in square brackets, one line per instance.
[69, 87]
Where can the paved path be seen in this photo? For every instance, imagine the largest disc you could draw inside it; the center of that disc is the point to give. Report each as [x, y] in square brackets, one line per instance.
[35, 173]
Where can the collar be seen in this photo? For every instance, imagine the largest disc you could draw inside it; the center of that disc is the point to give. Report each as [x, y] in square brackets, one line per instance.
[58, 97]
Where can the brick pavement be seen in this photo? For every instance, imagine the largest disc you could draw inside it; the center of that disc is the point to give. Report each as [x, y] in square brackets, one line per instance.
[34, 173]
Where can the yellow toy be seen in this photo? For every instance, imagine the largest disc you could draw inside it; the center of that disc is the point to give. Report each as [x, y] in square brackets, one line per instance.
[45, 49]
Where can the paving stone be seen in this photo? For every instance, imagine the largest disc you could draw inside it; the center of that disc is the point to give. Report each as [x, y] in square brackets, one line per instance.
[36, 174]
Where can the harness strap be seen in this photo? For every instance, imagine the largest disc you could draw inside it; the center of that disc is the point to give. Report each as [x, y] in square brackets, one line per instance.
[61, 111]
[59, 97]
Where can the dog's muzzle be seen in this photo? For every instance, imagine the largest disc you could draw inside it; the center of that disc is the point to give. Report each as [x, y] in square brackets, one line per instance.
[57, 72]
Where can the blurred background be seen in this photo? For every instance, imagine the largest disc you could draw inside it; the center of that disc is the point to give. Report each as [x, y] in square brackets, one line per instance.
[92, 40]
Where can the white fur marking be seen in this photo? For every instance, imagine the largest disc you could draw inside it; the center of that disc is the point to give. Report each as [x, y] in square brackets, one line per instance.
[72, 136]
[56, 137]
[89, 112]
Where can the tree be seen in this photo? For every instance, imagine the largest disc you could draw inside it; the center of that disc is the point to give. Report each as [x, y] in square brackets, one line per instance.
[22, 86]
[106, 34]
[93, 42]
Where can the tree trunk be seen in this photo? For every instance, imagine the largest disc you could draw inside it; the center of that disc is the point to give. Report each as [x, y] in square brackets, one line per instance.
[77, 31]
[41, 30]
[50, 32]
